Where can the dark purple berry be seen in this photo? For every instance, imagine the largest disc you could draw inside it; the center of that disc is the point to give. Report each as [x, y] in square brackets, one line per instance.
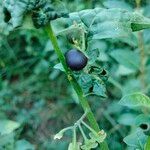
[76, 60]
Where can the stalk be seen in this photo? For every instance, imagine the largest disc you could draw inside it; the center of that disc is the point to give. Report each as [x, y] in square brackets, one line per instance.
[142, 51]
[74, 84]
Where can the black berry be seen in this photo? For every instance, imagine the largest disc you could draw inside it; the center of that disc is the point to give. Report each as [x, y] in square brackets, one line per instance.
[76, 60]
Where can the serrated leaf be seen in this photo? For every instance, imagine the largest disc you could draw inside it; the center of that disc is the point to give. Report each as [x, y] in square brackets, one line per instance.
[125, 57]
[135, 100]
[8, 126]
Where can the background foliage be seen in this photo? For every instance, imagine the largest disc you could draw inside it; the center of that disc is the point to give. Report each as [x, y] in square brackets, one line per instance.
[36, 100]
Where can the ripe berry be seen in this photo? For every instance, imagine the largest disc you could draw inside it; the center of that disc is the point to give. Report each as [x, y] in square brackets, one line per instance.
[76, 60]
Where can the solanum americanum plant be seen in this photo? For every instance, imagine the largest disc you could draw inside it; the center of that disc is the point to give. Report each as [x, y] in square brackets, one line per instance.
[76, 60]
[86, 42]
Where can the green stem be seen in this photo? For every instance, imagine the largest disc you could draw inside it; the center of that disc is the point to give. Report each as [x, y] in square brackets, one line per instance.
[74, 138]
[82, 132]
[142, 51]
[74, 83]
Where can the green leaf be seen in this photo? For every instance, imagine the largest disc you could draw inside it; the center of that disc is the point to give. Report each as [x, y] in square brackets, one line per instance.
[117, 4]
[85, 81]
[135, 100]
[23, 145]
[8, 126]
[142, 119]
[110, 23]
[127, 119]
[137, 27]
[99, 89]
[16, 9]
[59, 67]
[93, 55]
[42, 67]
[125, 58]
[131, 86]
[124, 71]
[136, 139]
[7, 139]
[147, 145]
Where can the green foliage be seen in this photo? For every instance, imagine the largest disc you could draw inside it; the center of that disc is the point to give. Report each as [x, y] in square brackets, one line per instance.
[147, 146]
[36, 99]
[110, 23]
[7, 126]
[135, 100]
[136, 139]
[125, 58]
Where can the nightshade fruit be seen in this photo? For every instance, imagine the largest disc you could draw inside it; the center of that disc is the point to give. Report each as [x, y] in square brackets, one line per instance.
[76, 60]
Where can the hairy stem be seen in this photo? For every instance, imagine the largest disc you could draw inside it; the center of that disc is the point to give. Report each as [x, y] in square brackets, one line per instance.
[75, 85]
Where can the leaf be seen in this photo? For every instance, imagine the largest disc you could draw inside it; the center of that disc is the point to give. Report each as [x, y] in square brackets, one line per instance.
[109, 23]
[59, 67]
[127, 119]
[93, 55]
[42, 67]
[99, 89]
[124, 71]
[135, 100]
[142, 119]
[8, 126]
[7, 139]
[131, 86]
[125, 58]
[137, 27]
[136, 139]
[117, 4]
[147, 145]
[23, 145]
[16, 9]
[85, 81]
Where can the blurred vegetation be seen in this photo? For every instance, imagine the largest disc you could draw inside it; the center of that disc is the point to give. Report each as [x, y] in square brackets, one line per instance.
[40, 98]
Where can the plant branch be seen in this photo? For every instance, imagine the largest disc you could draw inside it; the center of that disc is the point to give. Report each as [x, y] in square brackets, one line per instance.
[74, 83]
[142, 51]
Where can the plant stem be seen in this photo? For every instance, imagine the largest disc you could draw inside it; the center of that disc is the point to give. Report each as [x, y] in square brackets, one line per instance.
[142, 51]
[74, 83]
[142, 54]
[74, 138]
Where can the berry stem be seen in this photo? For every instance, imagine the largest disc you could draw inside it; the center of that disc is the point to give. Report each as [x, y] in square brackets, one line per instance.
[75, 85]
